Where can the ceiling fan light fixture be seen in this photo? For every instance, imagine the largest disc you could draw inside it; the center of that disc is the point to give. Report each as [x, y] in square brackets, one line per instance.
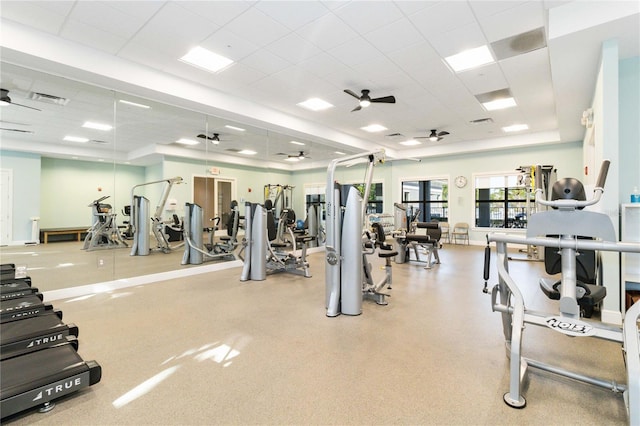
[365, 103]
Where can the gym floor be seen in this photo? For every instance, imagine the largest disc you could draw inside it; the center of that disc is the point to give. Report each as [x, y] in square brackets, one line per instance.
[209, 349]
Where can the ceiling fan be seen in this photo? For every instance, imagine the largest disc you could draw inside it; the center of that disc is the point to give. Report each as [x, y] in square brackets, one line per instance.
[214, 138]
[16, 130]
[6, 100]
[435, 136]
[299, 156]
[365, 100]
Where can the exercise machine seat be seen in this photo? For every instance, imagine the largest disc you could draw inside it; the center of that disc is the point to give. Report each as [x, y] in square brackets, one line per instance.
[589, 293]
[386, 249]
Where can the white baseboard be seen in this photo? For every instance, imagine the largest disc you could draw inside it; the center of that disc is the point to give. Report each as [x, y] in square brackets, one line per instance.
[611, 317]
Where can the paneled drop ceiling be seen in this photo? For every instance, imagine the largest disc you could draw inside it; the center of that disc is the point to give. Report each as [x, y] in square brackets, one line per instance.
[287, 52]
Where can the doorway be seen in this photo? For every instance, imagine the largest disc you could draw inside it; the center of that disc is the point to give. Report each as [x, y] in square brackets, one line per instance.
[214, 195]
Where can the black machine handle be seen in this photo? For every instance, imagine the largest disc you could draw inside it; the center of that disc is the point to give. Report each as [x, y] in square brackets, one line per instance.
[487, 262]
[602, 176]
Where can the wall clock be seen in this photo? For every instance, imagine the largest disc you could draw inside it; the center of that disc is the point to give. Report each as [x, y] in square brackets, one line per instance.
[461, 181]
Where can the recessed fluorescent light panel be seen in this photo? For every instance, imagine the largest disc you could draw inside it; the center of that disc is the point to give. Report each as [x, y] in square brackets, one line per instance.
[339, 153]
[205, 59]
[292, 159]
[239, 129]
[468, 59]
[515, 128]
[122, 101]
[97, 126]
[297, 143]
[410, 142]
[75, 139]
[185, 141]
[498, 99]
[247, 152]
[315, 104]
[372, 128]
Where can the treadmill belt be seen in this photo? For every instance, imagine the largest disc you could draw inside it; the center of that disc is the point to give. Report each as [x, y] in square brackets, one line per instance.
[38, 377]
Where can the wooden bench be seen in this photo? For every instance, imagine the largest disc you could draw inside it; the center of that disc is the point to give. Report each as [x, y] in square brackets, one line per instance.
[79, 232]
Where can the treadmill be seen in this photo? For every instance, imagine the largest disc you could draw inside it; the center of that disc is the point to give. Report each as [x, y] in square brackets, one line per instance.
[15, 288]
[40, 377]
[23, 307]
[35, 333]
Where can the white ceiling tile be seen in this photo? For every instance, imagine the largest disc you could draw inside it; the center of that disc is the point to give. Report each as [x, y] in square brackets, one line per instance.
[174, 29]
[293, 48]
[442, 17]
[218, 12]
[327, 32]
[142, 54]
[414, 58]
[354, 52]
[265, 61]
[293, 14]
[228, 44]
[138, 9]
[411, 6]
[455, 41]
[106, 18]
[394, 36]
[237, 75]
[33, 14]
[323, 64]
[513, 21]
[257, 27]
[92, 36]
[484, 79]
[486, 8]
[366, 16]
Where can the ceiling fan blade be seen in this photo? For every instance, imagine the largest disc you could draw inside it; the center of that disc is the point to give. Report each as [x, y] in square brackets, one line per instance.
[349, 92]
[201, 136]
[385, 99]
[25, 106]
[358, 108]
[16, 130]
[439, 139]
[443, 133]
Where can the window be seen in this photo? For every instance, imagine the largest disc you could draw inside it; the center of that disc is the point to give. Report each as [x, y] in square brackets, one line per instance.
[374, 203]
[428, 198]
[501, 202]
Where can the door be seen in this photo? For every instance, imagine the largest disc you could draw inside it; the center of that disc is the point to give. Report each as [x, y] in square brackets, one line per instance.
[223, 206]
[203, 195]
[6, 206]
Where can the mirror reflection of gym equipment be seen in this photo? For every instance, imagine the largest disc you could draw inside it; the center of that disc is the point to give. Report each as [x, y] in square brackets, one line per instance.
[571, 232]
[140, 219]
[194, 248]
[104, 233]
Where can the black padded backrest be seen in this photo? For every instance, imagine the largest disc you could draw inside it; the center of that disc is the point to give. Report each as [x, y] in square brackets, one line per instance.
[272, 231]
[586, 264]
[379, 230]
[433, 229]
[289, 216]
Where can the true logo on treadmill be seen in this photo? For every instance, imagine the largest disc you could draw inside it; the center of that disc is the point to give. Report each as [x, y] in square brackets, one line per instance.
[44, 340]
[66, 385]
[571, 327]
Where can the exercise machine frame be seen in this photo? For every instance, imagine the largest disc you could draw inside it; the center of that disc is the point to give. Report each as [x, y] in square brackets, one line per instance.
[568, 221]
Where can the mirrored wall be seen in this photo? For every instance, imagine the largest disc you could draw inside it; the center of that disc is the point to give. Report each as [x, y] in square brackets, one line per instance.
[78, 156]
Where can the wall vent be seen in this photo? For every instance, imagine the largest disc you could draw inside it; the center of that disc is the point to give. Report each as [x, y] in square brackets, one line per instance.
[50, 99]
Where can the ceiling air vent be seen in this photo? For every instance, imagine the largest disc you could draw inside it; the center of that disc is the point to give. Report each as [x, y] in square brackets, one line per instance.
[519, 44]
[49, 99]
[97, 141]
[480, 121]
[233, 150]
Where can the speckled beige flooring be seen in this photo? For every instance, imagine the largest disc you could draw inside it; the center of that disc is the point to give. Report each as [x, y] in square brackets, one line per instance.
[210, 349]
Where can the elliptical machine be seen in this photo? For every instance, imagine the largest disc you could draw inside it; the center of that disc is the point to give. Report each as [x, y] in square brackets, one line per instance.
[568, 221]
